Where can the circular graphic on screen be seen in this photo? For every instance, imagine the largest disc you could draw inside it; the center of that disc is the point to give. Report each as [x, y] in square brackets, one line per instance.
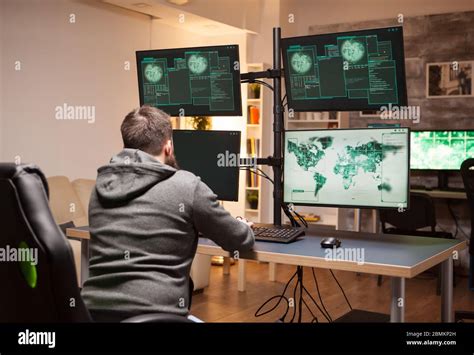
[197, 64]
[301, 62]
[153, 73]
[352, 50]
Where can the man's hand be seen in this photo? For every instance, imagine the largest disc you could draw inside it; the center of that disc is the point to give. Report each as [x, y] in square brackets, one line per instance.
[245, 220]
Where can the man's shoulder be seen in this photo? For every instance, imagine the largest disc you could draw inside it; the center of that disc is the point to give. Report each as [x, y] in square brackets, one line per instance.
[185, 182]
[186, 177]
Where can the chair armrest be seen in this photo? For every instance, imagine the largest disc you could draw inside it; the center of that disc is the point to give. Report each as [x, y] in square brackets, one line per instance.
[158, 318]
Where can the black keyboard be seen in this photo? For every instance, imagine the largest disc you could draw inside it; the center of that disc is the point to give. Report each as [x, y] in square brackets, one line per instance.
[283, 234]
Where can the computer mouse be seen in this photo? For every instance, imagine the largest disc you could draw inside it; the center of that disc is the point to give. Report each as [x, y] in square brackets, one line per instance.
[330, 242]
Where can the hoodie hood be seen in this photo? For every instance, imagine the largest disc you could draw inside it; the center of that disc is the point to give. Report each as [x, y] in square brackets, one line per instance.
[130, 174]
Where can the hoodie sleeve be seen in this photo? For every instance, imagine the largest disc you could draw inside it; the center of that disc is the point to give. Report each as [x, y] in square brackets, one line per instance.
[215, 223]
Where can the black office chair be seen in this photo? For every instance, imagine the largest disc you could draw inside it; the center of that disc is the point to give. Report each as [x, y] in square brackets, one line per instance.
[42, 288]
[467, 173]
[420, 215]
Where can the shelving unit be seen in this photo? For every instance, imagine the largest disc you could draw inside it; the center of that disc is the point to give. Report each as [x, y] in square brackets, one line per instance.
[329, 216]
[253, 143]
[318, 120]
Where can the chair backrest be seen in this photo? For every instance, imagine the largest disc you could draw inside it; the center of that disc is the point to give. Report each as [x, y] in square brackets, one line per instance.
[83, 189]
[467, 172]
[421, 214]
[41, 285]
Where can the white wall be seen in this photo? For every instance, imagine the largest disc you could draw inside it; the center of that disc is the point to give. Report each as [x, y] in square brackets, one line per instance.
[242, 14]
[323, 12]
[79, 63]
[261, 44]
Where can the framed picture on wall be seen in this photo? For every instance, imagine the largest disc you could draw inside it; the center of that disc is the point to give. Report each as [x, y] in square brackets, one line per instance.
[449, 79]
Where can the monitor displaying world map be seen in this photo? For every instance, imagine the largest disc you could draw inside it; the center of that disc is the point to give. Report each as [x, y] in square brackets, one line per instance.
[347, 167]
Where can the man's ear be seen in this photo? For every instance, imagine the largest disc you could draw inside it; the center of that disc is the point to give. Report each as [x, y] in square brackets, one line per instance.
[168, 148]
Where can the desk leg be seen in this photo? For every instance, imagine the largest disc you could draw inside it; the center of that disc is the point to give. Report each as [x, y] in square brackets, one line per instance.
[226, 266]
[356, 220]
[447, 290]
[84, 261]
[272, 271]
[242, 279]
[397, 309]
[375, 221]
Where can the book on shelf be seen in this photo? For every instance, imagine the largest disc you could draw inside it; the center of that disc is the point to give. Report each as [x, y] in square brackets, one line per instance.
[253, 147]
[253, 151]
[252, 179]
[253, 115]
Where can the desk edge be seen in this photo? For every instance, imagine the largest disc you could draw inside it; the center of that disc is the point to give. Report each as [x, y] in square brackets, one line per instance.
[318, 262]
[77, 233]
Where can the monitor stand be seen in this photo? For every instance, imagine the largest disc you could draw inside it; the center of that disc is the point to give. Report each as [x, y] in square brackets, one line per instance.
[443, 183]
[443, 180]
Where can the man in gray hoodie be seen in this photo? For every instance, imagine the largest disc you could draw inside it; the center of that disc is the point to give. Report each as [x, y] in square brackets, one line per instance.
[144, 219]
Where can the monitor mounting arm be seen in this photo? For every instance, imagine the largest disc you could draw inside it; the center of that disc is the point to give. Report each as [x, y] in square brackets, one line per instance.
[269, 161]
[267, 74]
[276, 160]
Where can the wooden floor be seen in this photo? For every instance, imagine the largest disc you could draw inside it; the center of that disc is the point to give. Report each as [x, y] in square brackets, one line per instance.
[222, 302]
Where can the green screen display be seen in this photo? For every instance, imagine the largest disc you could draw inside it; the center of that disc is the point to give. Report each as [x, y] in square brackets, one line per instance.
[347, 167]
[201, 81]
[357, 70]
[440, 150]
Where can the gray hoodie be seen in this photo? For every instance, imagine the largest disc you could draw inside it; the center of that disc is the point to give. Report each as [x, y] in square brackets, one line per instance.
[144, 217]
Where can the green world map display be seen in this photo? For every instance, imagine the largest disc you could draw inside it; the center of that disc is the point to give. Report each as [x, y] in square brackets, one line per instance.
[441, 150]
[362, 167]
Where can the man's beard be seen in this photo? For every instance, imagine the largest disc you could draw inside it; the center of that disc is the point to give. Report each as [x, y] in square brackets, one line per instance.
[171, 161]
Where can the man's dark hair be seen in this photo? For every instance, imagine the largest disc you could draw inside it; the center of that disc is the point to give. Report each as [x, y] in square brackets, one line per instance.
[146, 128]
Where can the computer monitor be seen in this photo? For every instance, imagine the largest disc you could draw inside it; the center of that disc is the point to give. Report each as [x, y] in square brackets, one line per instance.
[360, 168]
[201, 81]
[346, 71]
[441, 150]
[213, 156]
